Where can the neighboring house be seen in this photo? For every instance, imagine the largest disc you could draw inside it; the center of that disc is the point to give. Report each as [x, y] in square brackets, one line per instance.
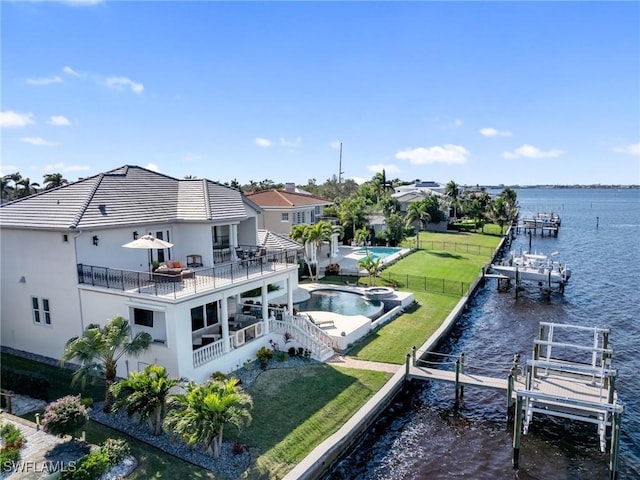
[64, 267]
[408, 197]
[428, 187]
[281, 210]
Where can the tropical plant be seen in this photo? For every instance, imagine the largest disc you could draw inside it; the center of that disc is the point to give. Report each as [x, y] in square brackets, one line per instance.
[64, 416]
[312, 237]
[200, 415]
[24, 187]
[417, 211]
[362, 236]
[501, 212]
[99, 349]
[265, 354]
[453, 191]
[53, 180]
[144, 395]
[372, 266]
[12, 440]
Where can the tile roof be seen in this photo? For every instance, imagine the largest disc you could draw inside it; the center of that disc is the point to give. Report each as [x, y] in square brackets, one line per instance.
[274, 241]
[280, 198]
[128, 195]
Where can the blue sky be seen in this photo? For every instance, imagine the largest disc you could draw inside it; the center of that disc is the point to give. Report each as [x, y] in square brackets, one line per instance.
[475, 92]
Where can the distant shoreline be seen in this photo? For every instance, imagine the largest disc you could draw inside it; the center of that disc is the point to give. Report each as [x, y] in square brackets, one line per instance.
[611, 187]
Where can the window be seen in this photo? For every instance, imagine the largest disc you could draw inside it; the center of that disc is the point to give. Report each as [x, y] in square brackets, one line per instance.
[143, 317]
[35, 303]
[197, 318]
[318, 210]
[46, 311]
[212, 313]
[40, 314]
[285, 217]
[313, 217]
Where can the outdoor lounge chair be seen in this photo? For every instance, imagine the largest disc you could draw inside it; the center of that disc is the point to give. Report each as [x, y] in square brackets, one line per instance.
[321, 323]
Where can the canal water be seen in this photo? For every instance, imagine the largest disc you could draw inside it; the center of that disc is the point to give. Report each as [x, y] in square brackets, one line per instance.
[424, 435]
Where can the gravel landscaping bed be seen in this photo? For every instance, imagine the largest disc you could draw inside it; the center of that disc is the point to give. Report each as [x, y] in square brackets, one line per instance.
[230, 464]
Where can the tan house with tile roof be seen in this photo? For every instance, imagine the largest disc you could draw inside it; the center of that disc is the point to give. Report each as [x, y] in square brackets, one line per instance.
[64, 267]
[281, 210]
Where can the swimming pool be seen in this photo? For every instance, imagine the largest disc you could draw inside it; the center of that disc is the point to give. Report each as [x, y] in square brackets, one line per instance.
[378, 252]
[344, 303]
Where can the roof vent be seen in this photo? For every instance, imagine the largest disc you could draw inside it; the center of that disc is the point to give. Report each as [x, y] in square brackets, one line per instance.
[290, 187]
[103, 208]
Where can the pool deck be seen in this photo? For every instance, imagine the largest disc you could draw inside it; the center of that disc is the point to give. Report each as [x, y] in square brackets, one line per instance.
[348, 258]
[347, 329]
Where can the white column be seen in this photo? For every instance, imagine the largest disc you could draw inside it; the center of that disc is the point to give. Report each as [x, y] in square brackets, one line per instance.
[290, 293]
[233, 240]
[265, 308]
[224, 313]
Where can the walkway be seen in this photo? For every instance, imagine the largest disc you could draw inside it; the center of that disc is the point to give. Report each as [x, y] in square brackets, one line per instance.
[350, 362]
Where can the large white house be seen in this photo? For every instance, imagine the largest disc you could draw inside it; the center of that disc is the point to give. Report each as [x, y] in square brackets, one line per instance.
[64, 267]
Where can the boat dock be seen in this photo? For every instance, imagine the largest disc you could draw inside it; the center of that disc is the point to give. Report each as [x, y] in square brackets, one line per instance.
[545, 222]
[570, 378]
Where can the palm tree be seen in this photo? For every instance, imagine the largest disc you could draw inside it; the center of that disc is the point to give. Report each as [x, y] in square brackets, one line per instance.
[200, 414]
[312, 236]
[372, 266]
[99, 349]
[499, 212]
[24, 187]
[144, 394]
[418, 211]
[361, 236]
[53, 180]
[453, 191]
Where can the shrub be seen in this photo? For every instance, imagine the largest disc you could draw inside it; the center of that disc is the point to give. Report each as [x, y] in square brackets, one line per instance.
[292, 351]
[238, 448]
[12, 441]
[218, 376]
[64, 416]
[264, 355]
[115, 449]
[332, 269]
[281, 356]
[99, 461]
[90, 467]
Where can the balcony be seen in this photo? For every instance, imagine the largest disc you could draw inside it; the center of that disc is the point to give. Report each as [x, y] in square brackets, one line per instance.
[189, 282]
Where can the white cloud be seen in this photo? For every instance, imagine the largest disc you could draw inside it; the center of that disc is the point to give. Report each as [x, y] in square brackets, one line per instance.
[449, 154]
[288, 143]
[121, 83]
[388, 168]
[152, 166]
[70, 71]
[44, 80]
[359, 180]
[9, 118]
[529, 151]
[632, 149]
[39, 141]
[59, 121]
[63, 167]
[263, 142]
[492, 132]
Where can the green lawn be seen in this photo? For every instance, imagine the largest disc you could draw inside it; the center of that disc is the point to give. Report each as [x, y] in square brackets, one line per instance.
[296, 409]
[392, 342]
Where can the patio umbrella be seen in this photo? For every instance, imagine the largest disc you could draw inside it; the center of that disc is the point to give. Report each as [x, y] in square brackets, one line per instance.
[148, 242]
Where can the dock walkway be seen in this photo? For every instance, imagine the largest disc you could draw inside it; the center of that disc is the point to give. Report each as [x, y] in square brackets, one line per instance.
[556, 382]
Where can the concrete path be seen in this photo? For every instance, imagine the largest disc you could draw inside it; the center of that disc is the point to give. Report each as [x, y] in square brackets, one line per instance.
[350, 362]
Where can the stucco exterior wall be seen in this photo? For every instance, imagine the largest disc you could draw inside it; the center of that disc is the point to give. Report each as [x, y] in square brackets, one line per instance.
[41, 265]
